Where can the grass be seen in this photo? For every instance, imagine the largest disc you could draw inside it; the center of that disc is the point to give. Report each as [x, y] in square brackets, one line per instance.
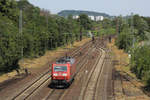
[122, 58]
[41, 61]
[123, 68]
[49, 55]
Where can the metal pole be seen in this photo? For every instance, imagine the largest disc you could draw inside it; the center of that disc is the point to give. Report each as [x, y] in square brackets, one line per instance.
[126, 33]
[132, 30]
[21, 37]
[117, 26]
[81, 33]
[20, 32]
[46, 42]
[51, 43]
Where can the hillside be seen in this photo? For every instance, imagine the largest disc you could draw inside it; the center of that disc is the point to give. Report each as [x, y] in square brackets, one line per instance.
[65, 13]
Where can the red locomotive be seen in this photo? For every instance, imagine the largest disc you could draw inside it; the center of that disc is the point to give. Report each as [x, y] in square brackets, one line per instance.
[63, 71]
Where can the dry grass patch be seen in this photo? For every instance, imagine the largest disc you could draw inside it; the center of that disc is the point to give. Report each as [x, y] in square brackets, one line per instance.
[43, 60]
[134, 85]
[121, 57]
[49, 55]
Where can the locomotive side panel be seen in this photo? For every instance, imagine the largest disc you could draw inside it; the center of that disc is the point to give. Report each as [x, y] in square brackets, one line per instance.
[73, 70]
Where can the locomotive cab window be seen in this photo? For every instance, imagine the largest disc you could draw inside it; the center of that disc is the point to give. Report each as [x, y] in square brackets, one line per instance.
[60, 68]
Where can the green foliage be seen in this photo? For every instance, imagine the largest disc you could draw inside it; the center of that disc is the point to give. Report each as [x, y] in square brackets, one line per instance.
[141, 26]
[109, 31]
[135, 30]
[105, 27]
[9, 47]
[140, 63]
[124, 40]
[147, 19]
[140, 23]
[131, 30]
[41, 31]
[85, 22]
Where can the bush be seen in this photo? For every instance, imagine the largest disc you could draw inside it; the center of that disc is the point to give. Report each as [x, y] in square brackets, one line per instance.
[124, 41]
[140, 63]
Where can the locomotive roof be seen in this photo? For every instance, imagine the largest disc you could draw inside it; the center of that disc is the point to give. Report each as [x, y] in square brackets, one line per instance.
[65, 60]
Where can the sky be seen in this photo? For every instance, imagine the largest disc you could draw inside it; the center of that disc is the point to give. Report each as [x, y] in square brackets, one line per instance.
[111, 7]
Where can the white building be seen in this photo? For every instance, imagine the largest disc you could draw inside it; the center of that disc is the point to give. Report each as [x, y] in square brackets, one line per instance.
[99, 18]
[94, 18]
[75, 16]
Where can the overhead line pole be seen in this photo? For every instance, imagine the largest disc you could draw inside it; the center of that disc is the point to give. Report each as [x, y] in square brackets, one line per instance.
[21, 37]
[132, 30]
[20, 32]
[117, 28]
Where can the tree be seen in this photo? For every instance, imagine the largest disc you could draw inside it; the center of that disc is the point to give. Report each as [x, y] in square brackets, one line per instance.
[124, 40]
[141, 25]
[41, 31]
[85, 23]
[9, 47]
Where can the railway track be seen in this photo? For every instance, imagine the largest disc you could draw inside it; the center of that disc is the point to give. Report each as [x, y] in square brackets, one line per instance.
[60, 94]
[88, 91]
[43, 79]
[56, 94]
[83, 71]
[104, 84]
[134, 91]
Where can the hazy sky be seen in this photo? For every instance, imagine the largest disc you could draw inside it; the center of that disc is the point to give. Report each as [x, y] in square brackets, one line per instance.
[112, 7]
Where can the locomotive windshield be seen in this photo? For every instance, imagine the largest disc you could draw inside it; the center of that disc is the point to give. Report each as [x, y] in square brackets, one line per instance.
[60, 68]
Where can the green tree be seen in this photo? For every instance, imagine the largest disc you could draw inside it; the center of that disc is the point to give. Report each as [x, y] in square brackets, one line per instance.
[141, 25]
[85, 23]
[41, 31]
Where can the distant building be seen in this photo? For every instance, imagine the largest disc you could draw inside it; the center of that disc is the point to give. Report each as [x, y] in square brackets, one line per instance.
[99, 18]
[94, 18]
[75, 16]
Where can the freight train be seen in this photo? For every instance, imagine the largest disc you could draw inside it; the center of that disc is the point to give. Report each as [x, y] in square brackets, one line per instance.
[63, 71]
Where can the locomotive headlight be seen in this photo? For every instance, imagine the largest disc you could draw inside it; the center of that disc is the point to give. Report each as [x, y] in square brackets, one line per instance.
[55, 74]
[64, 74]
